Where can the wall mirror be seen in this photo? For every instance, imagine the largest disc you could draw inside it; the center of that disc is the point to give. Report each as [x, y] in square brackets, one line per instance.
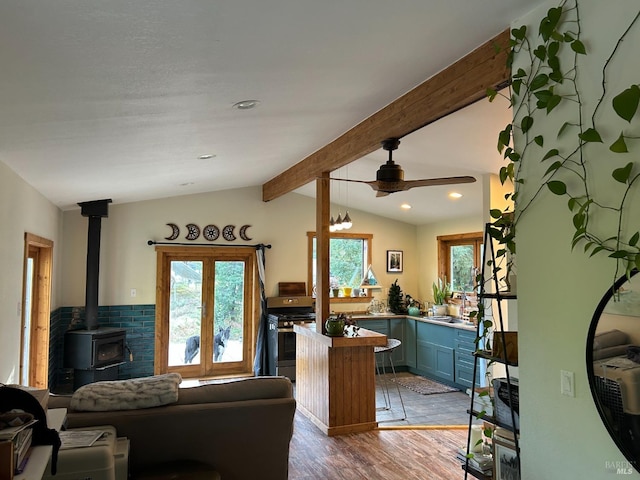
[613, 364]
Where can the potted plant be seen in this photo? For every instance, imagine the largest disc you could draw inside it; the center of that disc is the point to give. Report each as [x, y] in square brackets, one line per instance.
[441, 292]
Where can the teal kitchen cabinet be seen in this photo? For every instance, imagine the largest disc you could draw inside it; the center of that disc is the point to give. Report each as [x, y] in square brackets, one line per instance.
[464, 344]
[435, 352]
[409, 343]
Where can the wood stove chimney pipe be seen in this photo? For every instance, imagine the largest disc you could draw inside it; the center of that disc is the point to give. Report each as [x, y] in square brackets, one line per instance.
[95, 210]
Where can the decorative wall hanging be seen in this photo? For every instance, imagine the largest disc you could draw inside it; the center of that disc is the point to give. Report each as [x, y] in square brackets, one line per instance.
[175, 231]
[243, 232]
[211, 232]
[227, 233]
[193, 231]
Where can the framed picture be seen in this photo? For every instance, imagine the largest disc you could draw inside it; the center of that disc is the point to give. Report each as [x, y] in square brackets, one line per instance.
[394, 260]
[505, 460]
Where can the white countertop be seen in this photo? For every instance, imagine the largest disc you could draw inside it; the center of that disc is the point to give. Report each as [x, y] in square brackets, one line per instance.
[461, 324]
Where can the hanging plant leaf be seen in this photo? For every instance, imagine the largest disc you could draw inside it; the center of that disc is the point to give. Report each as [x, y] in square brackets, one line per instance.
[633, 241]
[491, 93]
[495, 213]
[504, 137]
[554, 166]
[578, 220]
[539, 81]
[578, 47]
[590, 135]
[553, 102]
[519, 33]
[540, 52]
[619, 254]
[556, 76]
[637, 261]
[526, 123]
[596, 250]
[563, 128]
[625, 104]
[515, 85]
[622, 174]
[619, 146]
[520, 73]
[551, 153]
[539, 140]
[553, 49]
[557, 187]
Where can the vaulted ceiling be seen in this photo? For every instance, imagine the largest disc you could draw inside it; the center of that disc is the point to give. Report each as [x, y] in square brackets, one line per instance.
[121, 99]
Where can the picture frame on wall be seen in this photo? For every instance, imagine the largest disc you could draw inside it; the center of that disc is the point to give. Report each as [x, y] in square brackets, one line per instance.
[505, 460]
[394, 260]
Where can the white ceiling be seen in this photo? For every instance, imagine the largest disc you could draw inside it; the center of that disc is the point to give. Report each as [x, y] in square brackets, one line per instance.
[118, 98]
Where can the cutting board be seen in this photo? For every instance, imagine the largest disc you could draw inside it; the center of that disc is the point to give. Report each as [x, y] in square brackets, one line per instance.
[292, 289]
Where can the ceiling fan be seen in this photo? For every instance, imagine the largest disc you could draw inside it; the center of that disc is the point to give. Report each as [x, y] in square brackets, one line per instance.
[390, 176]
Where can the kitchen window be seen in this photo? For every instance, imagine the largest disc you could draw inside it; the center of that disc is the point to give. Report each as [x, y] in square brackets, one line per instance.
[349, 260]
[459, 258]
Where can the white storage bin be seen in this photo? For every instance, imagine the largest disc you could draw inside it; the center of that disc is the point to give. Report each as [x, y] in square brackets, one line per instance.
[106, 459]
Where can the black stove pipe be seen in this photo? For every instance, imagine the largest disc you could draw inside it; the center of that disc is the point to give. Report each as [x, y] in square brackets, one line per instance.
[96, 211]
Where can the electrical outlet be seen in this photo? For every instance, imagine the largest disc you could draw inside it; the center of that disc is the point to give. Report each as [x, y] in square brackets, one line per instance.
[134, 292]
[567, 383]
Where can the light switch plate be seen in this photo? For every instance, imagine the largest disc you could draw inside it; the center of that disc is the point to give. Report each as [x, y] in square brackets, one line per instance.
[567, 383]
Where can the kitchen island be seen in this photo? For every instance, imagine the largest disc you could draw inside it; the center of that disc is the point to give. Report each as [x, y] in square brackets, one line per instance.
[335, 379]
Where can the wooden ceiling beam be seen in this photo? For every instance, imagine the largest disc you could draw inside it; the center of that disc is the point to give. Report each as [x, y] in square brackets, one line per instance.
[457, 86]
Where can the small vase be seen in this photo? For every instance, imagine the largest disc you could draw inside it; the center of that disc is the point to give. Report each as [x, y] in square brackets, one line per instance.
[414, 311]
[334, 327]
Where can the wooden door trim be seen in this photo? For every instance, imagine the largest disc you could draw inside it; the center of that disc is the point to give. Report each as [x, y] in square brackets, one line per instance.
[40, 310]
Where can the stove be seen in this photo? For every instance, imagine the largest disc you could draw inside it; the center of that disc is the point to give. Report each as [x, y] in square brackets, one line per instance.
[283, 314]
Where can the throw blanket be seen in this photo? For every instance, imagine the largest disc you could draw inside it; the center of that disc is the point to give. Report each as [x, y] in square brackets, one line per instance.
[131, 394]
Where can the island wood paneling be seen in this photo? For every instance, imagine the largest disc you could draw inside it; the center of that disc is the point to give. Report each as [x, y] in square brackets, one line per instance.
[335, 379]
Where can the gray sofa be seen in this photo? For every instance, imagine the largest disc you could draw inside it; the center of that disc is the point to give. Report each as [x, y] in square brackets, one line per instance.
[242, 428]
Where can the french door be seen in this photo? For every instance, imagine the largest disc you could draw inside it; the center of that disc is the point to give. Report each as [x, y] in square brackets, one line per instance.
[205, 311]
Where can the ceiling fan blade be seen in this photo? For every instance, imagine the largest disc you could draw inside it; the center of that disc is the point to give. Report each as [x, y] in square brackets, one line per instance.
[372, 183]
[380, 193]
[431, 182]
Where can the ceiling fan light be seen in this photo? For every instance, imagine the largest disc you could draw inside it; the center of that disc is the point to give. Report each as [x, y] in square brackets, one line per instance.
[339, 225]
[346, 221]
[332, 225]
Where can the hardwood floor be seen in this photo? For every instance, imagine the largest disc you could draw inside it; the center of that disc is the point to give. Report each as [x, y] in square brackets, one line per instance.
[405, 453]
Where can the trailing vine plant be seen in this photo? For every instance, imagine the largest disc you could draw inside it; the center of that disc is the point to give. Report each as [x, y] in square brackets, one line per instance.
[545, 89]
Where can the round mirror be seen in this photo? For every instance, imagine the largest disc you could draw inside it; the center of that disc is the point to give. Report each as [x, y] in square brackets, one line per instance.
[613, 364]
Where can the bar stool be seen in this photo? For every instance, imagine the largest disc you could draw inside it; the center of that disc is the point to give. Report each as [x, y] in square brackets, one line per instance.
[387, 351]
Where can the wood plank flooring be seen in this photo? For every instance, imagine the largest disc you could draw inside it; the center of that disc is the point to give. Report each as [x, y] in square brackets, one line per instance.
[398, 454]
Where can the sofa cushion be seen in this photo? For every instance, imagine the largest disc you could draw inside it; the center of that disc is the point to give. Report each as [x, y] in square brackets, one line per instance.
[131, 394]
[253, 388]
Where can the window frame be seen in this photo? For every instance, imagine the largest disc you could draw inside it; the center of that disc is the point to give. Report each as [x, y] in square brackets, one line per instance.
[445, 242]
[367, 237]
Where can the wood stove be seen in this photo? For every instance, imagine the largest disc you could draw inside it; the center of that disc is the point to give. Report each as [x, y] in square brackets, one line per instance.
[94, 353]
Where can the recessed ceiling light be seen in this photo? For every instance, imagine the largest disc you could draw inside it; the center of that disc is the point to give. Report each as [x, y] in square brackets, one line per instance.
[206, 156]
[455, 195]
[405, 206]
[246, 104]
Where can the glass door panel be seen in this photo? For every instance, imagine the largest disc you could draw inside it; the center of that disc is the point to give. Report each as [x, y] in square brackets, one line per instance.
[185, 312]
[229, 311]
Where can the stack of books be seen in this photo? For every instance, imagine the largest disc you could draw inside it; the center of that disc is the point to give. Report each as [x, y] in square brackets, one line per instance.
[481, 462]
[20, 437]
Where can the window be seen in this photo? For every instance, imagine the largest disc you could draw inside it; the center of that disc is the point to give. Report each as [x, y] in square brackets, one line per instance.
[459, 257]
[349, 260]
